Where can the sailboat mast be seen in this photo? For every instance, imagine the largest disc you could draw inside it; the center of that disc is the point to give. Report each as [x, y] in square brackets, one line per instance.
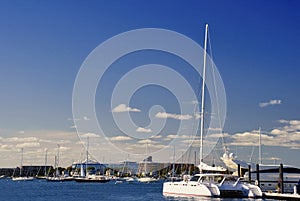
[58, 146]
[203, 94]
[87, 156]
[146, 158]
[259, 148]
[22, 150]
[46, 156]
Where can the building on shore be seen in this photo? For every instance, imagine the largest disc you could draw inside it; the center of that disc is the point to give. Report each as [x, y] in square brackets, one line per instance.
[147, 166]
[26, 170]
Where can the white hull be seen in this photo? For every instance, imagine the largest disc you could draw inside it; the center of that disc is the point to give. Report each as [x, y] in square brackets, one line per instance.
[190, 189]
[211, 185]
[147, 179]
[22, 178]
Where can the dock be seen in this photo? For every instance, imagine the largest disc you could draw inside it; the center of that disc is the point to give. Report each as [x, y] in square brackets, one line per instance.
[282, 196]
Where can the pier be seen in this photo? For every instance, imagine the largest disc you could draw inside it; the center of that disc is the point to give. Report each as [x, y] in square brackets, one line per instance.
[282, 196]
[280, 192]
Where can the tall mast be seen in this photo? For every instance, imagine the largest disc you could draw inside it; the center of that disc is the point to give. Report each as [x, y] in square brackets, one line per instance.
[259, 148]
[87, 156]
[146, 159]
[22, 150]
[202, 96]
[58, 146]
[46, 155]
[173, 168]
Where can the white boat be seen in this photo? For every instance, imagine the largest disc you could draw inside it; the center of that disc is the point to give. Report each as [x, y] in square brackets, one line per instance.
[147, 179]
[93, 179]
[190, 188]
[85, 176]
[209, 185]
[130, 179]
[20, 177]
[194, 186]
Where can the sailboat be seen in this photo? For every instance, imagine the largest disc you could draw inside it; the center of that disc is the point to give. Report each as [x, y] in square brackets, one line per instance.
[209, 184]
[20, 177]
[86, 177]
[146, 178]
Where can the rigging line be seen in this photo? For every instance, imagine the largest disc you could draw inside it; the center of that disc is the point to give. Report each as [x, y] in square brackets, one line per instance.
[214, 81]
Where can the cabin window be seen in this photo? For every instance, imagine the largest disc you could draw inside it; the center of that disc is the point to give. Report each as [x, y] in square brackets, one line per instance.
[195, 178]
[232, 179]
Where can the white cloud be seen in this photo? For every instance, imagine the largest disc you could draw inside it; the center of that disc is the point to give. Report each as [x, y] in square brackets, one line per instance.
[251, 138]
[28, 144]
[146, 141]
[6, 147]
[271, 102]
[63, 149]
[20, 139]
[152, 145]
[288, 135]
[143, 130]
[164, 115]
[156, 137]
[169, 137]
[124, 108]
[218, 135]
[277, 131]
[91, 135]
[198, 115]
[283, 121]
[120, 138]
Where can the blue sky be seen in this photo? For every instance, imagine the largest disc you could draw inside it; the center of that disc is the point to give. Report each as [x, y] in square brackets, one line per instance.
[43, 44]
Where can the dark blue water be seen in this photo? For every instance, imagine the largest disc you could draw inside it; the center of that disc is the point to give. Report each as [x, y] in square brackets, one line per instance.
[41, 190]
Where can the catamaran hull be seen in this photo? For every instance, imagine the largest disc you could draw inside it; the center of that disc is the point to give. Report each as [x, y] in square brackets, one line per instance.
[189, 189]
[240, 191]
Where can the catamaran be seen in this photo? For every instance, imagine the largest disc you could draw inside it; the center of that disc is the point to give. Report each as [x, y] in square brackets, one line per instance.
[210, 184]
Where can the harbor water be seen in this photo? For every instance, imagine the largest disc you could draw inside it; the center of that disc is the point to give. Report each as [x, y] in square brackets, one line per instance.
[41, 190]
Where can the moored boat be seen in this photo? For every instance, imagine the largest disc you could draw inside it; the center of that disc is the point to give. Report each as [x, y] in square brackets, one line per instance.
[93, 179]
[212, 185]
